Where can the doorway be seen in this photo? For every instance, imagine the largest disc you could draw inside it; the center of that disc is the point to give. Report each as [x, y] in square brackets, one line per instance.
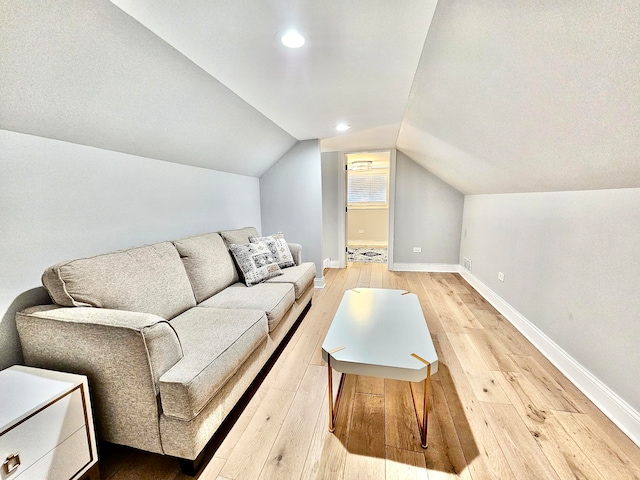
[367, 206]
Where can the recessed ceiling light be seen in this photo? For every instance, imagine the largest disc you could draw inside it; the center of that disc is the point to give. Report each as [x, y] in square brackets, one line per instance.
[292, 39]
[341, 127]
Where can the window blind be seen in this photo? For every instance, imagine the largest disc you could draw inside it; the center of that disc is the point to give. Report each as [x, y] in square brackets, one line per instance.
[367, 188]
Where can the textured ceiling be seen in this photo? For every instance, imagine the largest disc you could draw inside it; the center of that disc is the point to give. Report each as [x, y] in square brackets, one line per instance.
[356, 66]
[85, 72]
[490, 96]
[528, 96]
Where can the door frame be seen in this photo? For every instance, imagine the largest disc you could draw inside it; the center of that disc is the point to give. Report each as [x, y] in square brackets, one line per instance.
[342, 192]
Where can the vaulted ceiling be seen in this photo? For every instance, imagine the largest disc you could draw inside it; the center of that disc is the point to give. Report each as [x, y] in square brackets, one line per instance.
[490, 96]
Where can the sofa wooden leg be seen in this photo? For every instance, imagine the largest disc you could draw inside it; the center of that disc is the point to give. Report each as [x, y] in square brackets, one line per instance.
[191, 467]
[92, 474]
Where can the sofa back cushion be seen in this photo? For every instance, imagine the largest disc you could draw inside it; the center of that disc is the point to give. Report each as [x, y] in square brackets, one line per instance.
[149, 279]
[208, 264]
[239, 236]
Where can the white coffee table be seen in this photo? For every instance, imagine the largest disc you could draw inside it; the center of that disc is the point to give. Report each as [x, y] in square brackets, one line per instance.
[380, 333]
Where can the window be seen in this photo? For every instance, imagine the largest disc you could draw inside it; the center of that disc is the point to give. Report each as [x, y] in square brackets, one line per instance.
[367, 189]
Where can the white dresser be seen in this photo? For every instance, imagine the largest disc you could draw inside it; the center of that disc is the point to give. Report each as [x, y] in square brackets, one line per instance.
[46, 426]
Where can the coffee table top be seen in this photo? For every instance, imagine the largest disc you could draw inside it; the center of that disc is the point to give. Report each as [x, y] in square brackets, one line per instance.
[382, 333]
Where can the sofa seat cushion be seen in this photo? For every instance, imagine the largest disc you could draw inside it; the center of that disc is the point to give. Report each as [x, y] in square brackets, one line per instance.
[301, 276]
[275, 299]
[215, 342]
[149, 279]
[208, 264]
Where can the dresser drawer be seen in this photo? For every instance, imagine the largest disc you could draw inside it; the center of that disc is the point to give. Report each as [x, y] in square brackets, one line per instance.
[41, 434]
[62, 463]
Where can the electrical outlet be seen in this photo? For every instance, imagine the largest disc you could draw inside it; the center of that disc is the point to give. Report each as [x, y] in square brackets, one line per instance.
[501, 276]
[360, 231]
[417, 249]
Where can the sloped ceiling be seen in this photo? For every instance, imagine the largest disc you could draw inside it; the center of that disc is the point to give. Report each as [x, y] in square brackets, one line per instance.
[528, 96]
[85, 72]
[356, 66]
[490, 96]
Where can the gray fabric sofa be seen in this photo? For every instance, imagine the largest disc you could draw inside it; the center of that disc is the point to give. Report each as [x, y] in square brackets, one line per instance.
[168, 336]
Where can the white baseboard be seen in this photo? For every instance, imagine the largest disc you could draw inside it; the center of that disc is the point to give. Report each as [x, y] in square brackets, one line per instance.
[368, 243]
[318, 282]
[614, 407]
[328, 263]
[424, 267]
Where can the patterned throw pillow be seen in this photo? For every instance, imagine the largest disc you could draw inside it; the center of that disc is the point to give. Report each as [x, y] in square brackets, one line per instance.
[256, 262]
[278, 247]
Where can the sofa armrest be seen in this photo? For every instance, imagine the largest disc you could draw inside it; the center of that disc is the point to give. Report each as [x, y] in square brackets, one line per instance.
[122, 353]
[296, 252]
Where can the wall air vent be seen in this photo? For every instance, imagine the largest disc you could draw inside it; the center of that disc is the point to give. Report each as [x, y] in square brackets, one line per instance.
[466, 263]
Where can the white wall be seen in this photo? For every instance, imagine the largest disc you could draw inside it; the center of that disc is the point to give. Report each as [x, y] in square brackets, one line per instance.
[61, 201]
[332, 168]
[372, 222]
[571, 267]
[428, 214]
[291, 200]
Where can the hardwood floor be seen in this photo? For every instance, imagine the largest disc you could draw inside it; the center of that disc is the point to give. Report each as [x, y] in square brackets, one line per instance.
[499, 409]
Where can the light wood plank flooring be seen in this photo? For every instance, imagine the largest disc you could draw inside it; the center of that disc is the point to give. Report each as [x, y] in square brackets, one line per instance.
[499, 408]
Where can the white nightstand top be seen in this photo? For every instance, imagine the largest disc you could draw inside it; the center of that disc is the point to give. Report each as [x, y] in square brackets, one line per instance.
[25, 390]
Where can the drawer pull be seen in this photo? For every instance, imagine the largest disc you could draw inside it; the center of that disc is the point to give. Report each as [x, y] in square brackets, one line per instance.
[11, 463]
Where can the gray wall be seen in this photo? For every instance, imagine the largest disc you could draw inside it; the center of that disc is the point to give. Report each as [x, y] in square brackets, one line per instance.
[332, 168]
[571, 264]
[291, 200]
[61, 200]
[428, 214]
